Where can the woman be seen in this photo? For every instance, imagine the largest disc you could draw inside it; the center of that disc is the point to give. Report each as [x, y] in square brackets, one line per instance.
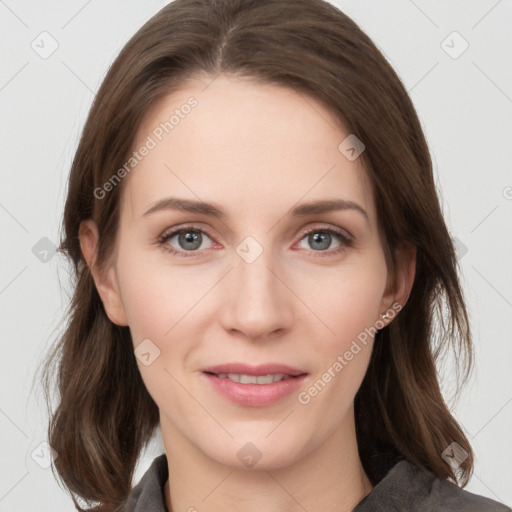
[261, 266]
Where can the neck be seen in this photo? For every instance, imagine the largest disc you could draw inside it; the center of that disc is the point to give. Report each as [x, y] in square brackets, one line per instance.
[328, 478]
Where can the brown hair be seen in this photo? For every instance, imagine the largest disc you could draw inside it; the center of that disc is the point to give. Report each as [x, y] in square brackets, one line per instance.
[105, 416]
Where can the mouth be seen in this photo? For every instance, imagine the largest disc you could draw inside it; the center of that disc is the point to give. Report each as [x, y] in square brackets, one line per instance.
[266, 373]
[254, 386]
[253, 379]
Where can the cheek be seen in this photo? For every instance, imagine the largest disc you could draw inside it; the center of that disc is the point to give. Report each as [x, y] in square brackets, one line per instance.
[163, 308]
[155, 295]
[348, 300]
[350, 308]
[348, 304]
[155, 299]
[146, 308]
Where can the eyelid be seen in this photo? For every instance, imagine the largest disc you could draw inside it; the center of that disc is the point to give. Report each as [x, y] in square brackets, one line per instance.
[326, 227]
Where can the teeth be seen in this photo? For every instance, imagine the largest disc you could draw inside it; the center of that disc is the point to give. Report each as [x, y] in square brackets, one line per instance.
[253, 379]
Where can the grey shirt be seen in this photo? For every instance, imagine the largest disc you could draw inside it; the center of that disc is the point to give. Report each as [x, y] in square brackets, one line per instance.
[404, 488]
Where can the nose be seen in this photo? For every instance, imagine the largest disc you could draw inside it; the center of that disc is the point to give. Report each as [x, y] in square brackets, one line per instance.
[257, 304]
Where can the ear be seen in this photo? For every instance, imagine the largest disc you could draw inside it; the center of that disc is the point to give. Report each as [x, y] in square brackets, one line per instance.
[105, 279]
[398, 291]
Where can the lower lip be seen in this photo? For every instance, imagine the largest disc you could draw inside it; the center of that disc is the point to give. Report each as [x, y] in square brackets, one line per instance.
[255, 395]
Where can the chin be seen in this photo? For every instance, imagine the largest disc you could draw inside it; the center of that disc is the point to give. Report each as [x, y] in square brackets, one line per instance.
[257, 452]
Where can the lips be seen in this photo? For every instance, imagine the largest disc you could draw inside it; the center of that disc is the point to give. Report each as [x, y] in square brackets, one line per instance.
[254, 386]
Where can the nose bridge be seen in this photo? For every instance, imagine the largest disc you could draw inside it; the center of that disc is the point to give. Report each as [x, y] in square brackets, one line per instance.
[259, 302]
[252, 272]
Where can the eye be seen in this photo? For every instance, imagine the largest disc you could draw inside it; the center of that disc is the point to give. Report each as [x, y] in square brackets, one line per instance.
[320, 240]
[188, 239]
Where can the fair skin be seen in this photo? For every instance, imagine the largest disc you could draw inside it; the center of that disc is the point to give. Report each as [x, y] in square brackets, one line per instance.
[256, 151]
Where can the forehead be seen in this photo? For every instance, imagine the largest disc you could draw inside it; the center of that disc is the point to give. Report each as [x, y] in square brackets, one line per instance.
[251, 145]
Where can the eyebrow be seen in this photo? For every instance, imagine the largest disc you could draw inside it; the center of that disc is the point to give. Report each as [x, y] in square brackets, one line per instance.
[210, 209]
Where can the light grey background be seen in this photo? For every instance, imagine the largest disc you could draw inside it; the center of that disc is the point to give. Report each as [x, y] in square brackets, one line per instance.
[464, 103]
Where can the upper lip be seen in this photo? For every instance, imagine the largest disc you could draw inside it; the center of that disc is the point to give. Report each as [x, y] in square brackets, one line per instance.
[246, 369]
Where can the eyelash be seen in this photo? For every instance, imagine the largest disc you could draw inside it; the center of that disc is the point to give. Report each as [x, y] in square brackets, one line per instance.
[345, 241]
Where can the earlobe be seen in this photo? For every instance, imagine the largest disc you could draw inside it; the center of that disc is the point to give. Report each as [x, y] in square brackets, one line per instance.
[105, 279]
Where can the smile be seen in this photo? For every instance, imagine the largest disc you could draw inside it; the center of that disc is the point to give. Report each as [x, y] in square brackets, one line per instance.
[253, 379]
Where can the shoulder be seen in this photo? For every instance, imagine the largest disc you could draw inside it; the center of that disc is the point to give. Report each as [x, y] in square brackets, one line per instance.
[148, 494]
[407, 487]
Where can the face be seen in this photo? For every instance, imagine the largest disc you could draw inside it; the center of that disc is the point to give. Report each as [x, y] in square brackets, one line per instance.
[257, 277]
